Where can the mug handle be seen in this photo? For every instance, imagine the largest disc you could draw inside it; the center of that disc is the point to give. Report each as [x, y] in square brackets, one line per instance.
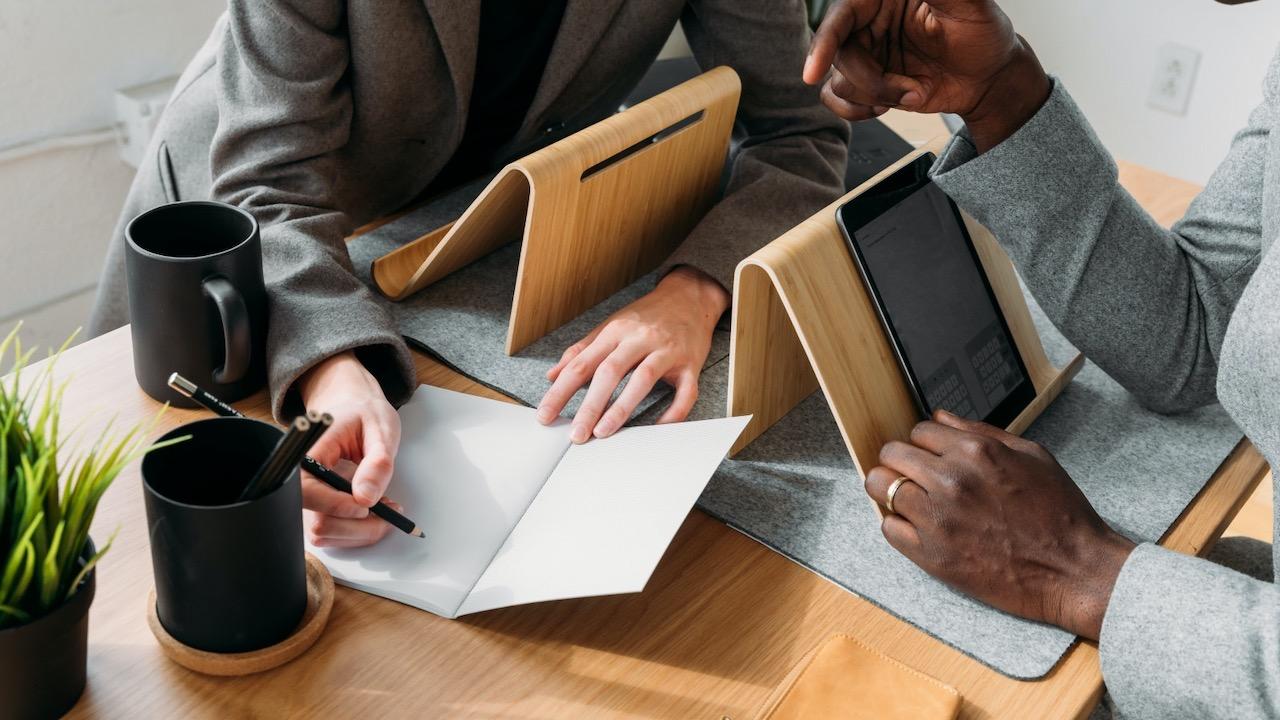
[235, 329]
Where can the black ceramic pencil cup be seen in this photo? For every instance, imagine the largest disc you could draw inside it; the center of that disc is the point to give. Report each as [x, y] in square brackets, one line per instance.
[230, 576]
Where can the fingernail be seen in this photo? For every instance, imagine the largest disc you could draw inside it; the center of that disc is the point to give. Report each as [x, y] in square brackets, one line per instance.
[605, 428]
[911, 98]
[544, 415]
[879, 109]
[579, 434]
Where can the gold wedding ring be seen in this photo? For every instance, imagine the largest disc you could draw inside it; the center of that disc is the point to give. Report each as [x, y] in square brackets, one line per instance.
[893, 490]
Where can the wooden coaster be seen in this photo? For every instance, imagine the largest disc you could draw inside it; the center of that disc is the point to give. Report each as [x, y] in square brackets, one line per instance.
[316, 616]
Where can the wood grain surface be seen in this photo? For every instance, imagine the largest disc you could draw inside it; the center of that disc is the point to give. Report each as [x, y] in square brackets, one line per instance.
[719, 625]
[596, 210]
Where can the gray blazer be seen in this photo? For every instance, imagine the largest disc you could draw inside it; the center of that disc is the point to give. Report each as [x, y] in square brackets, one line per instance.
[319, 115]
[1182, 318]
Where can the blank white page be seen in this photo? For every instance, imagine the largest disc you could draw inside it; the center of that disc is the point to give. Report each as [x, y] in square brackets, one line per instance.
[467, 469]
[602, 521]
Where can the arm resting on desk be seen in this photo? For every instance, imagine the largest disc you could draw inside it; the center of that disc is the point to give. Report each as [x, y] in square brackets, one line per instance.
[285, 110]
[1184, 637]
[1181, 637]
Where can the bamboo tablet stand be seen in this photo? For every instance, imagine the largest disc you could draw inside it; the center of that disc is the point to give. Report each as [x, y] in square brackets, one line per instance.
[598, 209]
[802, 319]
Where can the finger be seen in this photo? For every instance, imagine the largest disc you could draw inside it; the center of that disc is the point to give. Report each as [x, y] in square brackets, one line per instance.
[922, 466]
[646, 375]
[570, 353]
[373, 472]
[686, 396]
[852, 112]
[935, 437]
[883, 89]
[574, 350]
[605, 380]
[572, 377]
[909, 501]
[902, 536]
[321, 498]
[860, 78]
[841, 21]
[326, 531]
[1009, 440]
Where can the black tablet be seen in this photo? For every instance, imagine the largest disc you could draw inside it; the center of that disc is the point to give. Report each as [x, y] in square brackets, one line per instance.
[933, 297]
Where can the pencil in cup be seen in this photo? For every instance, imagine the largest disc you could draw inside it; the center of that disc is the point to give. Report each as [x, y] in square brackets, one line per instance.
[282, 460]
[319, 470]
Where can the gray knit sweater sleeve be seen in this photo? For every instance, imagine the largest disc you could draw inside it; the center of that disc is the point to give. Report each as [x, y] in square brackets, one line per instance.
[1182, 637]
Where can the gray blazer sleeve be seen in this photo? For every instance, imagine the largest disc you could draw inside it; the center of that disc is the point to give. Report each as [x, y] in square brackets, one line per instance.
[1148, 305]
[283, 116]
[1182, 637]
[792, 153]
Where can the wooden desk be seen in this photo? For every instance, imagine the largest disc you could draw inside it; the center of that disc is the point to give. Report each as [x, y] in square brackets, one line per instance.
[719, 625]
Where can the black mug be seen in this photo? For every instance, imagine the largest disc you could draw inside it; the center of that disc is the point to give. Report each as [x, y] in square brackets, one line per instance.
[230, 575]
[197, 302]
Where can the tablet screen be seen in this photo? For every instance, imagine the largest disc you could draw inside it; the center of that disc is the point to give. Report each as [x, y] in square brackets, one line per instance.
[932, 291]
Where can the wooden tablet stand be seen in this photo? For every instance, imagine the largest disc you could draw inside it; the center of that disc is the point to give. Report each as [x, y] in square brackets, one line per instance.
[597, 209]
[802, 319]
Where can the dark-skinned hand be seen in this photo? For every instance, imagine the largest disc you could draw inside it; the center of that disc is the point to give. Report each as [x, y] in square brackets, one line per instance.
[996, 517]
[956, 56]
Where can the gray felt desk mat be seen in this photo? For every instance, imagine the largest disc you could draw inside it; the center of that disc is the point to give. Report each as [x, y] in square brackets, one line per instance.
[796, 490]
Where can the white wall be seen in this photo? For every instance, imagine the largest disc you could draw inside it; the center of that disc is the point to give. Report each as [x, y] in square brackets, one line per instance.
[1105, 51]
[62, 61]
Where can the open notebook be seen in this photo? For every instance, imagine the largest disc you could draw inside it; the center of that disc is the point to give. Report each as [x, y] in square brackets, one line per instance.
[514, 513]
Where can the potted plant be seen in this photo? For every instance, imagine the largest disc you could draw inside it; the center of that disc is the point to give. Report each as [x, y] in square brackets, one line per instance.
[48, 497]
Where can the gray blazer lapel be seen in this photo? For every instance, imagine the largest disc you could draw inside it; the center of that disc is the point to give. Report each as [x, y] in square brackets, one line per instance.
[457, 27]
[585, 22]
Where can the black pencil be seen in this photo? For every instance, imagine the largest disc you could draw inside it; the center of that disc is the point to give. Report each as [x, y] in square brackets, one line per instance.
[282, 458]
[326, 475]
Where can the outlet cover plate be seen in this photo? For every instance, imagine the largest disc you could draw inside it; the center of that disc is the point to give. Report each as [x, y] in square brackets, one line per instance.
[1174, 77]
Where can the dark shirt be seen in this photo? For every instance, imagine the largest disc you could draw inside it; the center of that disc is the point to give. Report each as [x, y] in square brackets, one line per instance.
[515, 41]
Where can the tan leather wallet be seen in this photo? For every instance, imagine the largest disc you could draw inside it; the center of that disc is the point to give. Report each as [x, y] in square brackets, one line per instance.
[842, 678]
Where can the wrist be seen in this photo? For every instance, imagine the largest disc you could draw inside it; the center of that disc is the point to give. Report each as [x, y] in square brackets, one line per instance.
[1014, 95]
[1088, 591]
[330, 372]
[695, 286]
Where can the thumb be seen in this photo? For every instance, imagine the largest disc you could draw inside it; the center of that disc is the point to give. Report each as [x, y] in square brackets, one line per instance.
[912, 94]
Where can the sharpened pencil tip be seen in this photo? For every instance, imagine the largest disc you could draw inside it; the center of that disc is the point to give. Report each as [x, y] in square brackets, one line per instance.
[417, 532]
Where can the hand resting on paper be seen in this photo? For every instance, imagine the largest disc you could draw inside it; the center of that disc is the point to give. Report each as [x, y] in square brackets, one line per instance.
[956, 56]
[663, 336]
[366, 435]
[996, 517]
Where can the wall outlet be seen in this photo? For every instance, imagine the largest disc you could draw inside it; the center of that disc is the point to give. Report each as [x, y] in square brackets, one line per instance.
[1174, 76]
[138, 111]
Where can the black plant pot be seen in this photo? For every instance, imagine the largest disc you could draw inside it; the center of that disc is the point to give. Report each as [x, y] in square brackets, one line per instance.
[42, 663]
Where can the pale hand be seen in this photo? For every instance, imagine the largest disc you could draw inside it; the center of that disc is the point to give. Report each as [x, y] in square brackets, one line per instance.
[365, 435]
[956, 56]
[663, 336]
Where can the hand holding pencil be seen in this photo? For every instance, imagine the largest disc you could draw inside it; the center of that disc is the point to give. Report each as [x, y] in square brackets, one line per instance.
[319, 481]
[366, 434]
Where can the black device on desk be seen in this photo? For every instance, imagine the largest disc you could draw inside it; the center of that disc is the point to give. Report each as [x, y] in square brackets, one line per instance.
[931, 292]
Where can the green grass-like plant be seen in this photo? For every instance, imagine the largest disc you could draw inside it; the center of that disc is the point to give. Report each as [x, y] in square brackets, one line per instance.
[47, 498]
